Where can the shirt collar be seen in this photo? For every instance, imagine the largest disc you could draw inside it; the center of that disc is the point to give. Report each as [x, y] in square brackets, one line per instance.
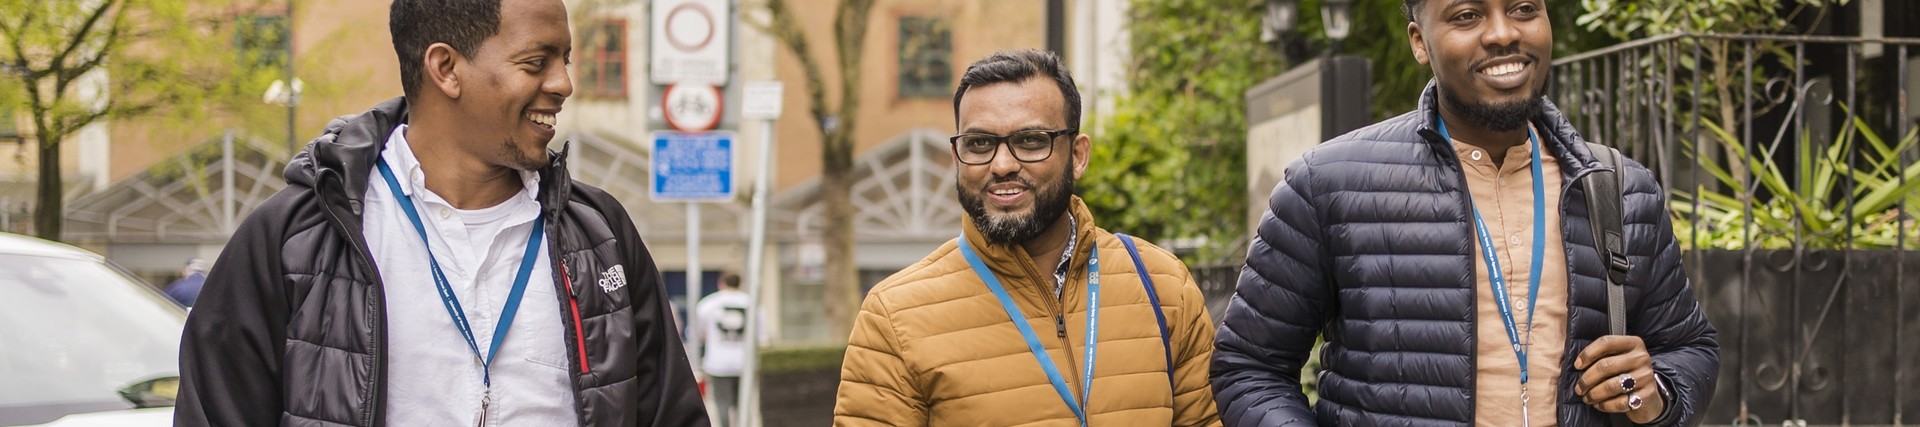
[398, 156]
[1066, 257]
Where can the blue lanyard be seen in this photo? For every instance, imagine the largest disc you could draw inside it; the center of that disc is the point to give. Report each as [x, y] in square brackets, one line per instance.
[1033, 341]
[1494, 276]
[451, 302]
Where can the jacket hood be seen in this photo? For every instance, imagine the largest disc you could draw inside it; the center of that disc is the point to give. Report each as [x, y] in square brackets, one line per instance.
[339, 163]
[1557, 132]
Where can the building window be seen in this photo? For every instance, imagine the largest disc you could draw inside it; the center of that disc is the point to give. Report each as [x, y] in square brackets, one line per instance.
[926, 57]
[261, 41]
[603, 70]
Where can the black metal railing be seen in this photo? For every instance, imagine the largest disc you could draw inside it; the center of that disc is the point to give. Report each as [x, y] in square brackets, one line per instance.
[1790, 165]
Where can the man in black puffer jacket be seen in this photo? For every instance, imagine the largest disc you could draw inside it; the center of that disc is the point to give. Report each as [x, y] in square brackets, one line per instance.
[1447, 258]
[321, 310]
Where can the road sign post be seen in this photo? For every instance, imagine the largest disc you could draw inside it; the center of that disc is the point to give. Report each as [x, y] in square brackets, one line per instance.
[762, 102]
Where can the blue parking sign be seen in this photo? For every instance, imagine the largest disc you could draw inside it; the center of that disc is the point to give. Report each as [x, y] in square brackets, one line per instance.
[692, 166]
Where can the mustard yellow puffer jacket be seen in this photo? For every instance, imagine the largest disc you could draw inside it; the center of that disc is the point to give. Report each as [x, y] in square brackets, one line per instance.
[932, 345]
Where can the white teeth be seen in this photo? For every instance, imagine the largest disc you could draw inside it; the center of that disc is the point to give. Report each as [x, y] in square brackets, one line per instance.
[1503, 69]
[1005, 192]
[541, 118]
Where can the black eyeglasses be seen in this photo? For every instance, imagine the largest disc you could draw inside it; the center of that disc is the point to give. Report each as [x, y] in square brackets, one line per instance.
[1027, 146]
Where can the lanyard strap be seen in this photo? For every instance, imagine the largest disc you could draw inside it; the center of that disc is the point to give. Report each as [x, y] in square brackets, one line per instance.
[1033, 341]
[451, 302]
[1495, 277]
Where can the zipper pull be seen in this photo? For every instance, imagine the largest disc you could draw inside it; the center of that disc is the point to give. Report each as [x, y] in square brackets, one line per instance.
[1060, 324]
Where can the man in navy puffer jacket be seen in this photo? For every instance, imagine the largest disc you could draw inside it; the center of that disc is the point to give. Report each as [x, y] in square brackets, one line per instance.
[1447, 258]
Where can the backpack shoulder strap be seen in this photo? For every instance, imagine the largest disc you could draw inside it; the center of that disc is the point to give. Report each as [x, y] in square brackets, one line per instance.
[1605, 214]
[1153, 298]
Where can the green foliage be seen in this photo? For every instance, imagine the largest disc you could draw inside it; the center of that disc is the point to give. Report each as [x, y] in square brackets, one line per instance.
[1169, 157]
[775, 360]
[149, 55]
[1630, 19]
[1830, 201]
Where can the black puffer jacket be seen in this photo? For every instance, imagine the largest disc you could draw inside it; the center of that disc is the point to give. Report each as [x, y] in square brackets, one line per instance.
[1370, 241]
[291, 326]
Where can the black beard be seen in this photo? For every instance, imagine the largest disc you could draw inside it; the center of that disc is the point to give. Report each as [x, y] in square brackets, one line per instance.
[1504, 117]
[1049, 204]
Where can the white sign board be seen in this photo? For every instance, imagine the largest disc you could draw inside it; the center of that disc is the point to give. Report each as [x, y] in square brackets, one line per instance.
[689, 41]
[762, 100]
[692, 166]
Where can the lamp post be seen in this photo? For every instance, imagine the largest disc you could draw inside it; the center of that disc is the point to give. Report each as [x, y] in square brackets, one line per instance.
[285, 95]
[1336, 17]
[1345, 80]
[1278, 21]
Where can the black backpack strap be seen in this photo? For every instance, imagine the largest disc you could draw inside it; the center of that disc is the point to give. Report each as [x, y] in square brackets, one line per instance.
[1166, 342]
[1604, 213]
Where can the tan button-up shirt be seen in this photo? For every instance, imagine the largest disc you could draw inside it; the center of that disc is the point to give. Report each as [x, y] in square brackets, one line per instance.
[1504, 198]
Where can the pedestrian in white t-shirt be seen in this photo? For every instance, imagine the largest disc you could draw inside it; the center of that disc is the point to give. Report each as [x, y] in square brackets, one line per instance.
[722, 336]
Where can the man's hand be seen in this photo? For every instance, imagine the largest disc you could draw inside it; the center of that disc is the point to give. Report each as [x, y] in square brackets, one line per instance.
[1618, 378]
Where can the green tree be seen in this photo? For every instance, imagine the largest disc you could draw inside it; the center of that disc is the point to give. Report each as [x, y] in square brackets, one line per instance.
[1169, 159]
[151, 52]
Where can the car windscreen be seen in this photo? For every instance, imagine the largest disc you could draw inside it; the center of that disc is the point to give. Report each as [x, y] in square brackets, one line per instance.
[73, 331]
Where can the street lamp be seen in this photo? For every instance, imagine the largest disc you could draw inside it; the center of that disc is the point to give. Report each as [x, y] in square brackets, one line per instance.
[1278, 20]
[285, 95]
[1337, 19]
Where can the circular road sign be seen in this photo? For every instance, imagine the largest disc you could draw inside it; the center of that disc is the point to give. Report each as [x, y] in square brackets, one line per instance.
[690, 26]
[691, 107]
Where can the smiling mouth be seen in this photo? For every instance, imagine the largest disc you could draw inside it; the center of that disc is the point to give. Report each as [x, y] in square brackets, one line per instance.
[543, 119]
[1503, 70]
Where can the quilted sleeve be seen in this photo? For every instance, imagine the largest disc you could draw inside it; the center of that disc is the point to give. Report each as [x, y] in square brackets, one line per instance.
[875, 387]
[1276, 313]
[1668, 316]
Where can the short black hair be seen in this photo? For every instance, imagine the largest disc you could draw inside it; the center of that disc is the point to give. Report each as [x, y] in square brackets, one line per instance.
[1409, 6]
[1013, 66]
[416, 24]
[729, 280]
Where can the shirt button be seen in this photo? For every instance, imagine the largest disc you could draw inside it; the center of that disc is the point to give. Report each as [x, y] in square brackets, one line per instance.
[1513, 240]
[1519, 303]
[1475, 154]
[444, 213]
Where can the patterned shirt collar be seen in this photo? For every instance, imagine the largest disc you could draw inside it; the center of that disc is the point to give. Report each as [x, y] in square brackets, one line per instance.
[1066, 257]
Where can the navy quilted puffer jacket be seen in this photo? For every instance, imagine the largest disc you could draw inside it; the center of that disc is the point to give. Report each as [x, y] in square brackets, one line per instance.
[1369, 241]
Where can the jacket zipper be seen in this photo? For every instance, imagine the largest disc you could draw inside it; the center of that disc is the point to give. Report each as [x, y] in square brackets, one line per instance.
[1059, 306]
[1452, 160]
[352, 231]
[573, 303]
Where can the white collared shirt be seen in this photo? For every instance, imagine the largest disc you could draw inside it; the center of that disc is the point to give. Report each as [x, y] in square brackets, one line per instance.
[432, 375]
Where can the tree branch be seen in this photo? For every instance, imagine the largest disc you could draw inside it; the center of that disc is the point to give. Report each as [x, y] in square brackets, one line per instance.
[850, 35]
[79, 35]
[787, 30]
[67, 74]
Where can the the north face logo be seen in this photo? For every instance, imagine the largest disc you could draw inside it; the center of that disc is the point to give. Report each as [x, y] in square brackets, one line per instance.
[613, 279]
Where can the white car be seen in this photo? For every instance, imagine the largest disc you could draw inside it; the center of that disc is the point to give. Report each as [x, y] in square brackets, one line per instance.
[81, 341]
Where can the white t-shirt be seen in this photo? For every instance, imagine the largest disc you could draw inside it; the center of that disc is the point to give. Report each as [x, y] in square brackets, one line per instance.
[432, 377]
[723, 331]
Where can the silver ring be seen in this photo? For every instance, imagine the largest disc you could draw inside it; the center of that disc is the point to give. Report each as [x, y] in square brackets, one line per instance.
[1634, 402]
[1626, 383]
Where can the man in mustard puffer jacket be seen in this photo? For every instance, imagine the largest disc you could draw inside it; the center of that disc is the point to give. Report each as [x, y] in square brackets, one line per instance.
[995, 328]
